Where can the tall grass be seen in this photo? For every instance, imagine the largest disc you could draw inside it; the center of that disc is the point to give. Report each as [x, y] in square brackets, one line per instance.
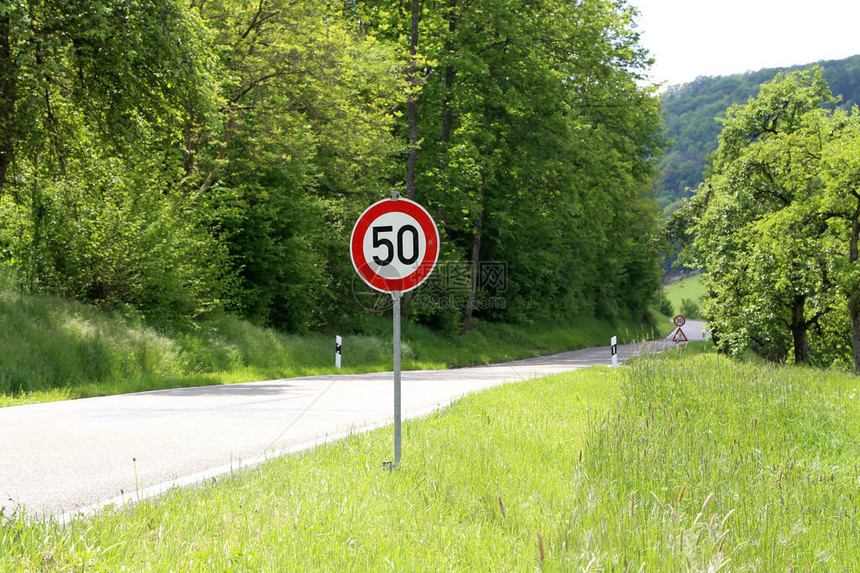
[52, 349]
[675, 463]
[708, 462]
[477, 484]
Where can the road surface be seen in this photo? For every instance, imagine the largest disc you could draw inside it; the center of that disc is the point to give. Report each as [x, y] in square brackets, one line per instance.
[73, 457]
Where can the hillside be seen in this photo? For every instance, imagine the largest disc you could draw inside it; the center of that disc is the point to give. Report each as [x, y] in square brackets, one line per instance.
[52, 348]
[690, 111]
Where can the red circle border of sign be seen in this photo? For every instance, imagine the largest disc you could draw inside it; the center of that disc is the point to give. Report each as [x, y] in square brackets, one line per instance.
[431, 253]
[683, 320]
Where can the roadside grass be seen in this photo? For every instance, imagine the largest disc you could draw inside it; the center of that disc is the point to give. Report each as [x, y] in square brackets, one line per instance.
[689, 288]
[686, 461]
[732, 463]
[662, 324]
[56, 349]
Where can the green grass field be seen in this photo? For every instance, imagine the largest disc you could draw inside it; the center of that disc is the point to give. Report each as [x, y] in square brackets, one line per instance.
[685, 462]
[55, 349]
[689, 288]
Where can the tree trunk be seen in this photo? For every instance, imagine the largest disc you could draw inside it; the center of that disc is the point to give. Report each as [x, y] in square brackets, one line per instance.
[854, 298]
[854, 314]
[412, 102]
[799, 329]
[475, 257]
[7, 101]
[412, 119]
[450, 72]
[447, 114]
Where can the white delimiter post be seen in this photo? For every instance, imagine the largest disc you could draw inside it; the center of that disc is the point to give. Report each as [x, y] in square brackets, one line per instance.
[614, 344]
[338, 342]
[395, 295]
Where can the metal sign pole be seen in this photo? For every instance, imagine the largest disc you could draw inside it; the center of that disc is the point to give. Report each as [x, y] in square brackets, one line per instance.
[395, 295]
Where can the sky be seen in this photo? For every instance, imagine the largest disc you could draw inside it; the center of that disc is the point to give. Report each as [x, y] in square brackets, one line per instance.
[691, 38]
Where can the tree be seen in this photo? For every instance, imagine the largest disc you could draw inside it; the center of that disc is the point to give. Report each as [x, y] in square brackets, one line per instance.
[119, 67]
[300, 145]
[839, 206]
[93, 99]
[765, 222]
[537, 150]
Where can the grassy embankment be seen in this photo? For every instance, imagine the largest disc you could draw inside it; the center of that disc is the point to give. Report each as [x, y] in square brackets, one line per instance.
[673, 463]
[54, 349]
[689, 288]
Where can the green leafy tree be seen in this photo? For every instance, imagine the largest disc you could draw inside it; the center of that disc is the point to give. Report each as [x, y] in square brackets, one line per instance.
[775, 267]
[537, 149]
[301, 144]
[94, 100]
[839, 205]
[119, 68]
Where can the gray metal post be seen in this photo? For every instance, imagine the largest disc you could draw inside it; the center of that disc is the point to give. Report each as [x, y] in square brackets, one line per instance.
[395, 295]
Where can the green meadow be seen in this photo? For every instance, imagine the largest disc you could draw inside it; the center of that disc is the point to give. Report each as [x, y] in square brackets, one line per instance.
[690, 288]
[687, 461]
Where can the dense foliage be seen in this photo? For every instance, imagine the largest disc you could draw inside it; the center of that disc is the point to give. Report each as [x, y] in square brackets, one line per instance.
[690, 110]
[174, 158]
[777, 223]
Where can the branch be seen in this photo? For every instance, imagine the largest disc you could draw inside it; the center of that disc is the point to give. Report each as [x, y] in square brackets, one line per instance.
[222, 153]
[762, 168]
[818, 315]
[256, 83]
[827, 215]
[254, 22]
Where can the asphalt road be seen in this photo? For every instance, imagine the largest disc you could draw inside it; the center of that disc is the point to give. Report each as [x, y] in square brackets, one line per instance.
[69, 458]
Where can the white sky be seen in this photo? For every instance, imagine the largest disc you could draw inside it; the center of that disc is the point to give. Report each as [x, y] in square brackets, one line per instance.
[690, 38]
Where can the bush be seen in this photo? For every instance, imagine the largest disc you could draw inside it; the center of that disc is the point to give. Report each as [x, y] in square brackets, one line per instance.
[662, 304]
[689, 308]
[116, 239]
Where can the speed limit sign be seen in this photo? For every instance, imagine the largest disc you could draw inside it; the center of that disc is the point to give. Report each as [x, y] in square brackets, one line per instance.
[394, 245]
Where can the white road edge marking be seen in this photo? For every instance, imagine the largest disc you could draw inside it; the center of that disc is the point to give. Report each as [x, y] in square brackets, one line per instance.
[129, 500]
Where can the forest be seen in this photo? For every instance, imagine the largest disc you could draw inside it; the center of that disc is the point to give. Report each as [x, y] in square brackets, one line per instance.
[171, 159]
[690, 111]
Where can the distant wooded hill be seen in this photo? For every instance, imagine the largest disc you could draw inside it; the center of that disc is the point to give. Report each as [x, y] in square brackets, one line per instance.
[690, 112]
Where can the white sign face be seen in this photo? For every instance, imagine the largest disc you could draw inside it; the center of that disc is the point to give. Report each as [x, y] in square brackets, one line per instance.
[394, 245]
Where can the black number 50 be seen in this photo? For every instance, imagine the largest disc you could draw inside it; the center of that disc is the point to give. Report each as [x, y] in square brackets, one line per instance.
[388, 245]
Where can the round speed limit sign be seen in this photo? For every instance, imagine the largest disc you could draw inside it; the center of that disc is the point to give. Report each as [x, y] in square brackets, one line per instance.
[394, 245]
[679, 321]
